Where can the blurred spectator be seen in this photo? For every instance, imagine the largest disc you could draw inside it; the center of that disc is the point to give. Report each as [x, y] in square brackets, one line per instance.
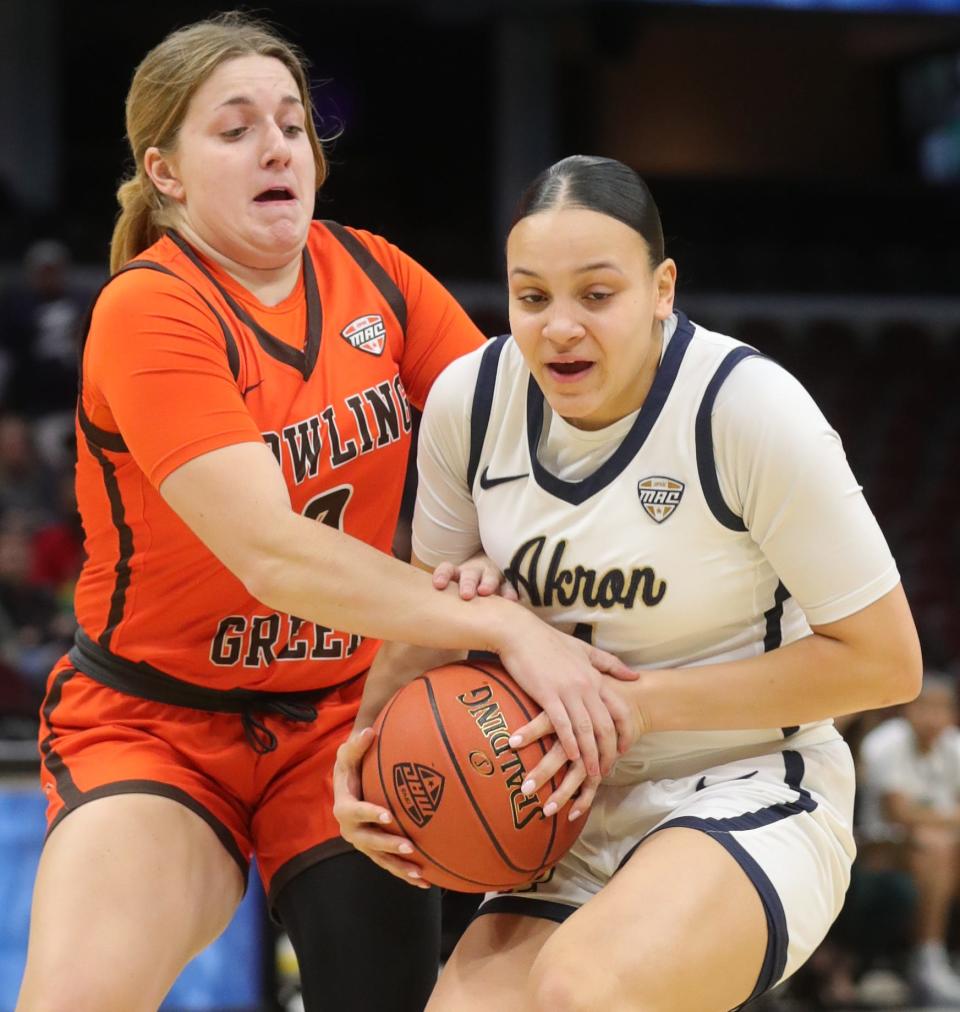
[34, 628]
[57, 547]
[40, 317]
[27, 483]
[910, 781]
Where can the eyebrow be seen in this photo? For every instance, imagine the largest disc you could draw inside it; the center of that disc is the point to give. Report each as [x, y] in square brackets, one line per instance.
[246, 100]
[598, 265]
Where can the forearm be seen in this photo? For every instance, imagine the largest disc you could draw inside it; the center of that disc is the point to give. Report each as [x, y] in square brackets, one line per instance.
[326, 576]
[811, 679]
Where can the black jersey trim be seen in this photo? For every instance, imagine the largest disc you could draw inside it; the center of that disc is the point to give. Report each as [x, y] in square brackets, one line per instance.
[144, 681]
[374, 270]
[483, 402]
[706, 462]
[118, 597]
[66, 788]
[233, 354]
[577, 492]
[95, 436]
[113, 441]
[302, 361]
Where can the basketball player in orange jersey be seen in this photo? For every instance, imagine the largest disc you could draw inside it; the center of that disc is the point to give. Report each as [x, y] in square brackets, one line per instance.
[243, 430]
[678, 498]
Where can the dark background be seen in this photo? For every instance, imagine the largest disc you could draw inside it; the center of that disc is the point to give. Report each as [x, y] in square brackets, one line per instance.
[778, 142]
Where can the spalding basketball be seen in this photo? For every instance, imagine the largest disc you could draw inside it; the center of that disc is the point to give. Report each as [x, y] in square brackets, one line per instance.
[442, 764]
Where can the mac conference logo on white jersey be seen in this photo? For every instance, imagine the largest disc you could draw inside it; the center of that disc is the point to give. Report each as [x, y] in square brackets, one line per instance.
[366, 333]
[659, 496]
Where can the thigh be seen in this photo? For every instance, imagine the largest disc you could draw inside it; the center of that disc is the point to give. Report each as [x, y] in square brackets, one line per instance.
[490, 967]
[364, 939]
[129, 888]
[680, 902]
[97, 743]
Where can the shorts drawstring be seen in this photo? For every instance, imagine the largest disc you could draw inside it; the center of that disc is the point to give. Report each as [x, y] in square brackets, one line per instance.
[262, 740]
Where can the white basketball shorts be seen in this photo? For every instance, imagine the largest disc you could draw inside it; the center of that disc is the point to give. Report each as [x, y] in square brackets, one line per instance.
[786, 817]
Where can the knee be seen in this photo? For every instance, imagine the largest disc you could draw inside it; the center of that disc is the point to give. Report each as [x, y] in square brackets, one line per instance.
[73, 988]
[563, 981]
[57, 995]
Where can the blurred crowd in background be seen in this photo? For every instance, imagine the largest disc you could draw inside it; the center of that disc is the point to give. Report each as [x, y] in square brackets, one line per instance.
[41, 541]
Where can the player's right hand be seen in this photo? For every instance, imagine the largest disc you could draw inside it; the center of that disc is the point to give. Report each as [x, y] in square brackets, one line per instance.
[361, 823]
[479, 576]
[565, 676]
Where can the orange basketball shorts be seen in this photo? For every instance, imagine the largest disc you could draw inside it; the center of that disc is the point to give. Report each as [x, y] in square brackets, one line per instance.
[96, 742]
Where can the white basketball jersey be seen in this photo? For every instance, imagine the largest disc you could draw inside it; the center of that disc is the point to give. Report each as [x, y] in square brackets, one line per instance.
[642, 555]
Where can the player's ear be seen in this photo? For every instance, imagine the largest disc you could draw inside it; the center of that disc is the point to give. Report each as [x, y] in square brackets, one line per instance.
[665, 279]
[163, 173]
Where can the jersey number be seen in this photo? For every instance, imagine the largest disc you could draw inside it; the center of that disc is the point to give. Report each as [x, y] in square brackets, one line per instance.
[328, 507]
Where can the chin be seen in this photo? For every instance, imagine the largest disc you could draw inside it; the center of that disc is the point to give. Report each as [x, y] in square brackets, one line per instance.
[278, 246]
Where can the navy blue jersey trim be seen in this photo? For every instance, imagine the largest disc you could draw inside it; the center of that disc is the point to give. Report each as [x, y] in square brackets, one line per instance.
[775, 958]
[706, 464]
[302, 361]
[546, 909]
[778, 934]
[774, 634]
[774, 619]
[577, 492]
[373, 269]
[793, 766]
[483, 402]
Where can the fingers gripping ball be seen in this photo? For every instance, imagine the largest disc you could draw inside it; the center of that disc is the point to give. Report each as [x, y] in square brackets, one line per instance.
[442, 764]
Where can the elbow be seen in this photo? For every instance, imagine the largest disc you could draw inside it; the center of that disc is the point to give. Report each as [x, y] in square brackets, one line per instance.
[903, 672]
[261, 574]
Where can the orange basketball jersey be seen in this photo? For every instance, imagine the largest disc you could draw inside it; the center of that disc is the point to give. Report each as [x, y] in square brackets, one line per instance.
[179, 359]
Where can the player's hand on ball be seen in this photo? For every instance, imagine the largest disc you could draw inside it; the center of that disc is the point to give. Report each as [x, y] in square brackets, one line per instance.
[576, 785]
[361, 823]
[566, 678]
[477, 577]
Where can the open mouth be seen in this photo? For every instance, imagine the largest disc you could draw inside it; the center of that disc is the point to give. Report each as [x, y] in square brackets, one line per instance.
[275, 193]
[569, 368]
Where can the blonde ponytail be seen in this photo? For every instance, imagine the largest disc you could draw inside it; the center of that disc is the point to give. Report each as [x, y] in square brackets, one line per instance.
[136, 227]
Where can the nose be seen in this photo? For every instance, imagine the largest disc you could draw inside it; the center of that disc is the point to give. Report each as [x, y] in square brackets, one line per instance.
[276, 148]
[561, 325]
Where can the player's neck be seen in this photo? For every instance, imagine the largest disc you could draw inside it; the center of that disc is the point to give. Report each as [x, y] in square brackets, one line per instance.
[270, 285]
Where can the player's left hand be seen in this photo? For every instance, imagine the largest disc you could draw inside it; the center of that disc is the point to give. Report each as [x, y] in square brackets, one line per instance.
[575, 784]
[477, 577]
[362, 823]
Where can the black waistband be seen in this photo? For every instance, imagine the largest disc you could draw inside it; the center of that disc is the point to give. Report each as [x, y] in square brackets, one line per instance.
[144, 681]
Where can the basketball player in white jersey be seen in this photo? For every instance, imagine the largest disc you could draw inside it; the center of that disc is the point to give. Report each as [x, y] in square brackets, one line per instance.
[679, 500]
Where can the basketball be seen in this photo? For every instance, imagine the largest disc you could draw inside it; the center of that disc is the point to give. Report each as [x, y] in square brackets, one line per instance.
[442, 765]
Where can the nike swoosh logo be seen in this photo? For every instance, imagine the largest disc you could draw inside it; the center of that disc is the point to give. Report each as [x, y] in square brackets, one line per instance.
[253, 387]
[702, 782]
[487, 482]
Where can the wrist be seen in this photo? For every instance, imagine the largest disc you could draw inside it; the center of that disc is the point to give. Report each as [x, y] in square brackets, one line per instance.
[503, 623]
